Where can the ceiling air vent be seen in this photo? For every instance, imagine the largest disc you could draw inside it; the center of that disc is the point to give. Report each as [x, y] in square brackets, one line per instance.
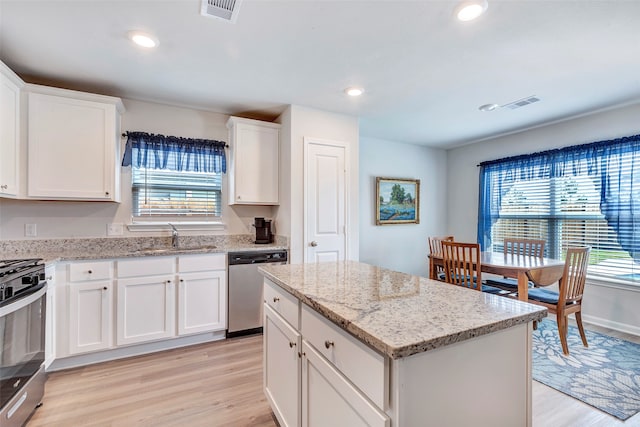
[521, 102]
[221, 9]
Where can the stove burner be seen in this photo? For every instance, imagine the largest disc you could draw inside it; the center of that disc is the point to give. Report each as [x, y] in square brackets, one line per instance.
[19, 277]
[10, 266]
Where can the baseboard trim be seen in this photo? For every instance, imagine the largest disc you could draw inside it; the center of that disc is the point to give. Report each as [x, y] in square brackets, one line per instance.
[132, 350]
[606, 323]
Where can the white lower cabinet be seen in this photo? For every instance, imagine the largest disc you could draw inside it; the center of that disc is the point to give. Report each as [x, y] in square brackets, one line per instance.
[202, 302]
[146, 309]
[90, 305]
[329, 399]
[282, 359]
[202, 293]
[325, 378]
[106, 304]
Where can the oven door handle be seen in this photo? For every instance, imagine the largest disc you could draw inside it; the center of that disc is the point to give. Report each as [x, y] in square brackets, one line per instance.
[23, 302]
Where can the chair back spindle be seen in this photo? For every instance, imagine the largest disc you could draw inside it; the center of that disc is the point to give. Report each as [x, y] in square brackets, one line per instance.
[524, 247]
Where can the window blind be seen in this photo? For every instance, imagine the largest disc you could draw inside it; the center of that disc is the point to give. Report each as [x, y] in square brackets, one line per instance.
[158, 193]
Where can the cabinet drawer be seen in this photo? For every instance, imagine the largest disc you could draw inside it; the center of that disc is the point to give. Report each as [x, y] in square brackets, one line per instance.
[365, 367]
[208, 262]
[282, 302]
[329, 399]
[95, 270]
[146, 266]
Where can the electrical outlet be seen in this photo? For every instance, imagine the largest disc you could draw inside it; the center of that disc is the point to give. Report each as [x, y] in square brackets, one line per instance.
[30, 230]
[115, 229]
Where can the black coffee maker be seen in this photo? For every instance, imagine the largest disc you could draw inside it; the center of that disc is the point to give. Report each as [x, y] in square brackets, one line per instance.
[263, 230]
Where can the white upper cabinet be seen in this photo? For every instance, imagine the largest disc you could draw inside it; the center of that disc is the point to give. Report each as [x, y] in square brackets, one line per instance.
[73, 145]
[254, 162]
[10, 85]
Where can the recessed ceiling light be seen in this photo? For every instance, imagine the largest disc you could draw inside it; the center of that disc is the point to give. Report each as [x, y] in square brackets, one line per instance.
[354, 91]
[470, 10]
[488, 107]
[143, 39]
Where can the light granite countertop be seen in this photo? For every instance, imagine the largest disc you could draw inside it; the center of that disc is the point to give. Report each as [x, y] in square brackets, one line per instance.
[54, 250]
[396, 313]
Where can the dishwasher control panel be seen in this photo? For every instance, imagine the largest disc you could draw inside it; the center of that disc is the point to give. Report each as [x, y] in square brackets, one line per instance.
[236, 258]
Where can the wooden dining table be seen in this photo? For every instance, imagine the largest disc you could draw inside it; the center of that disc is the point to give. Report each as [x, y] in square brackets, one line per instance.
[541, 271]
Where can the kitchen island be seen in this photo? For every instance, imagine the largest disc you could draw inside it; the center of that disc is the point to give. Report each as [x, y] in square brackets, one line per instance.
[349, 344]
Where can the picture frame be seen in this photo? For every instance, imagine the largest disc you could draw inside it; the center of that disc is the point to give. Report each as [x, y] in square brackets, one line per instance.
[397, 201]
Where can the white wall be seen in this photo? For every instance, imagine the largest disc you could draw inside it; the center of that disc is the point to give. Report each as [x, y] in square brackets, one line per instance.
[401, 247]
[607, 306]
[90, 219]
[300, 122]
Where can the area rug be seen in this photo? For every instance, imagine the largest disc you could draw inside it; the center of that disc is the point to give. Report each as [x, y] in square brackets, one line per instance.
[606, 375]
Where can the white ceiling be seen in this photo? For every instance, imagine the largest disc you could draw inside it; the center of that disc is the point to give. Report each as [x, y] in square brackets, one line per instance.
[425, 73]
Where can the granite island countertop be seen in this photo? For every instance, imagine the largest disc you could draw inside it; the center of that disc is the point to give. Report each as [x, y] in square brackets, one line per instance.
[54, 250]
[396, 313]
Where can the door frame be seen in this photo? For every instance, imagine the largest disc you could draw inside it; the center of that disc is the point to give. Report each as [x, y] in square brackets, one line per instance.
[347, 191]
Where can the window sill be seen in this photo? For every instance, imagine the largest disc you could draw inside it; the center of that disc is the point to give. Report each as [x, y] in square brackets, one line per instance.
[140, 226]
[608, 282]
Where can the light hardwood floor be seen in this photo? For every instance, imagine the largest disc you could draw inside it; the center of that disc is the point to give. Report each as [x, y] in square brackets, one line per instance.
[220, 384]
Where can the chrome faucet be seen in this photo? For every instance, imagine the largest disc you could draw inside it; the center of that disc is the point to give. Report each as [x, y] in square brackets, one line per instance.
[174, 236]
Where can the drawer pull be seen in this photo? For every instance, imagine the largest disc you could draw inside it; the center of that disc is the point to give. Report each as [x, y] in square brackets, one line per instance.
[328, 344]
[291, 344]
[89, 271]
[276, 299]
[104, 288]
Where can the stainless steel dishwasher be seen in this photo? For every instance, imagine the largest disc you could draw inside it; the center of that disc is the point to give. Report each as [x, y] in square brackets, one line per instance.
[244, 309]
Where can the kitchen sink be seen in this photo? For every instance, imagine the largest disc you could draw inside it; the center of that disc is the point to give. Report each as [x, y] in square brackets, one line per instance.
[152, 251]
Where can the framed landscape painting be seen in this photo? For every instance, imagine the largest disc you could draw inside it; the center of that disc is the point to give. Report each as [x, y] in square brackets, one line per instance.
[397, 201]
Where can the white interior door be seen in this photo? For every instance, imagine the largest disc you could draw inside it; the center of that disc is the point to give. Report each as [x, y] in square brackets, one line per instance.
[325, 195]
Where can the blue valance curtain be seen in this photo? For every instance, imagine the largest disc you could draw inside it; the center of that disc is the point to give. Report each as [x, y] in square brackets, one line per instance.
[614, 165]
[174, 153]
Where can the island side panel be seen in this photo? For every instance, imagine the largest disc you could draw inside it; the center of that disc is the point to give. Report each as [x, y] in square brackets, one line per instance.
[484, 381]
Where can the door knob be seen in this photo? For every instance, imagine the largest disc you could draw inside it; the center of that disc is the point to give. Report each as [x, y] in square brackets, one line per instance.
[314, 244]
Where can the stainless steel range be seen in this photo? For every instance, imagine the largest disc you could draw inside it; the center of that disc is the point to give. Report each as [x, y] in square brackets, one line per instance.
[22, 333]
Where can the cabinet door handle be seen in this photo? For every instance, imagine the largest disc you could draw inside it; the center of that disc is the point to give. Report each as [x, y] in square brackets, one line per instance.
[313, 244]
[328, 344]
[89, 271]
[276, 299]
[291, 344]
[168, 281]
[181, 280]
[106, 193]
[104, 288]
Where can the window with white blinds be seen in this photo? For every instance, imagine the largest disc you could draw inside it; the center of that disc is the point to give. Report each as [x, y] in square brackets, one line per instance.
[563, 212]
[580, 196]
[166, 193]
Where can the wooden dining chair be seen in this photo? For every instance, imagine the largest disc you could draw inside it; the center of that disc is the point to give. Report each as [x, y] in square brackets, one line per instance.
[521, 247]
[569, 298]
[436, 270]
[463, 266]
